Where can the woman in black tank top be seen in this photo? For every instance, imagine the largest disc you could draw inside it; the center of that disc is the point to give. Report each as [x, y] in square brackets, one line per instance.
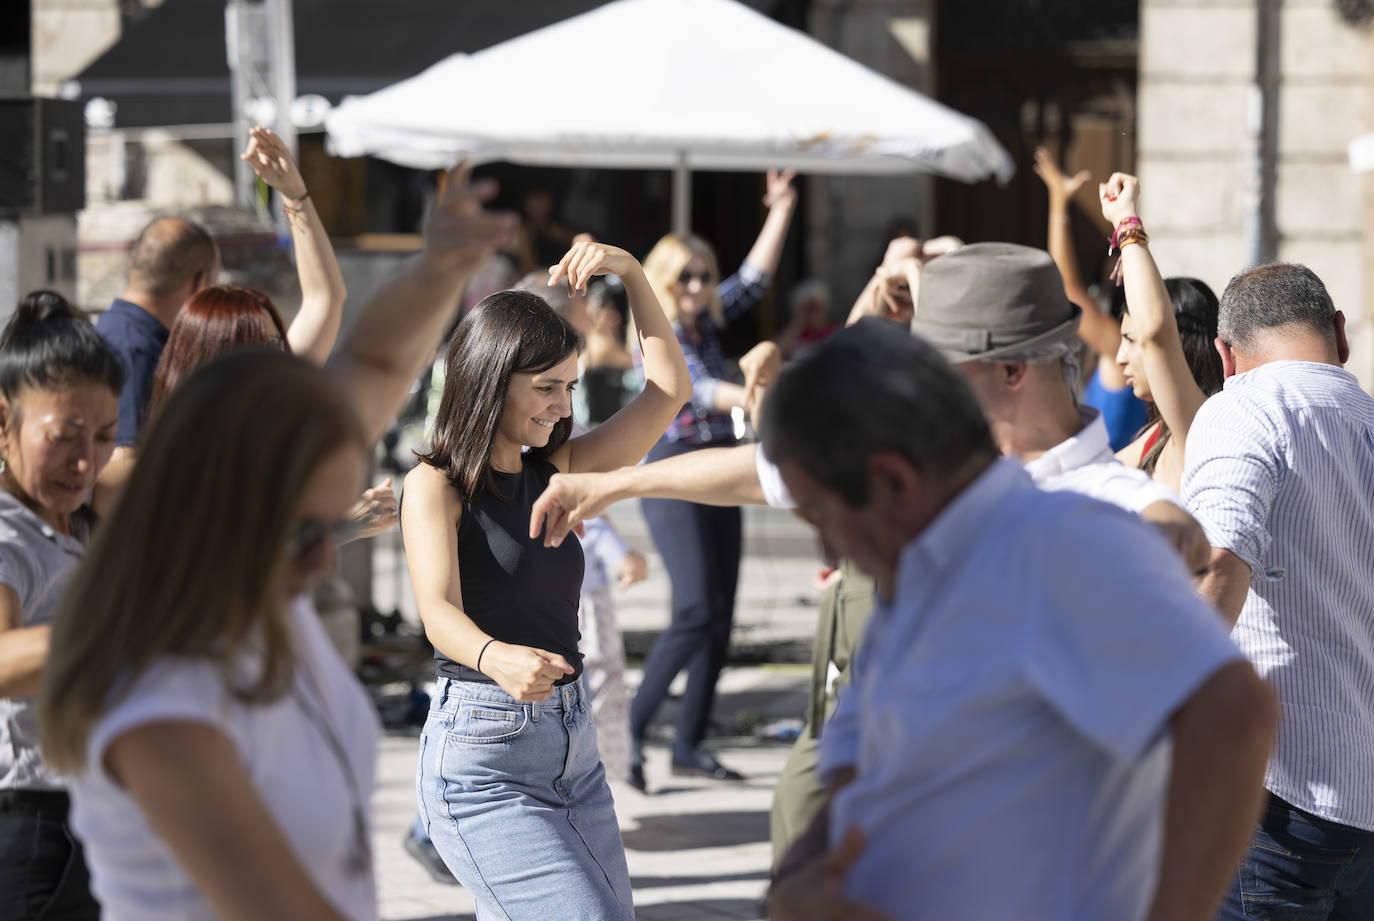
[511, 788]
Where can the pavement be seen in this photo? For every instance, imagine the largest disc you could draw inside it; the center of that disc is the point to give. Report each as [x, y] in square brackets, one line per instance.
[696, 849]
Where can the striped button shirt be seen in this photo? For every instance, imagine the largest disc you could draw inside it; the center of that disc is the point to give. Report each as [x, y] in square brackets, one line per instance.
[1280, 471]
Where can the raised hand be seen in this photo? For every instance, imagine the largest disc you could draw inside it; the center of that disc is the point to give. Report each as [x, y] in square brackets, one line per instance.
[899, 248]
[1061, 187]
[270, 159]
[588, 259]
[780, 190]
[760, 366]
[1120, 197]
[459, 234]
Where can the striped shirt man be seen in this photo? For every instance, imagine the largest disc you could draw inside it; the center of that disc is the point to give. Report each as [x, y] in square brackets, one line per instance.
[1280, 472]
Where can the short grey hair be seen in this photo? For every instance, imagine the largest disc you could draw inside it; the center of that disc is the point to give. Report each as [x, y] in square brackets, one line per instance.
[1064, 353]
[1270, 296]
[557, 297]
[872, 387]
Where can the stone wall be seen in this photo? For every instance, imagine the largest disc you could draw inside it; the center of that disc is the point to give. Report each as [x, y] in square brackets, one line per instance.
[1200, 123]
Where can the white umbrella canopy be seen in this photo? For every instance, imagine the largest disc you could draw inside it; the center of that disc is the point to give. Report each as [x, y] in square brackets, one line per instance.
[672, 84]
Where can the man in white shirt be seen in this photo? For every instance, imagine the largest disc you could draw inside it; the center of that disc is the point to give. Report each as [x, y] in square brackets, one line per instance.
[1280, 471]
[1045, 720]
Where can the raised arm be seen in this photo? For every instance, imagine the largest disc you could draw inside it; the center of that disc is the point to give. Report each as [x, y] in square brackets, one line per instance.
[781, 201]
[1175, 392]
[1097, 329]
[888, 293]
[397, 330]
[711, 476]
[430, 515]
[630, 433]
[316, 325]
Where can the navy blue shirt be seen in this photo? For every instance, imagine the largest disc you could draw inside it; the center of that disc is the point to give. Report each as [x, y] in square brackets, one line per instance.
[138, 337]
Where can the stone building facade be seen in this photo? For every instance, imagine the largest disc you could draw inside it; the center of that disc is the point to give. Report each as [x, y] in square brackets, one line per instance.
[1246, 110]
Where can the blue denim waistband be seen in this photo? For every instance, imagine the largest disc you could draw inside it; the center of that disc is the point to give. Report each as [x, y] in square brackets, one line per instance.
[567, 696]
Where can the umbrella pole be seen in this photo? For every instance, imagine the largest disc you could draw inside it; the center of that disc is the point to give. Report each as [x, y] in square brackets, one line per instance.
[682, 195]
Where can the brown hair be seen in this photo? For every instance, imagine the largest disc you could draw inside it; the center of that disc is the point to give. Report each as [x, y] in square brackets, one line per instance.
[216, 487]
[215, 320]
[507, 332]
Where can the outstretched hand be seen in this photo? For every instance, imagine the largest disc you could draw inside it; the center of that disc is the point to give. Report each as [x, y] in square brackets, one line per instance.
[760, 365]
[376, 511]
[588, 259]
[459, 233]
[568, 500]
[271, 160]
[1061, 187]
[1120, 197]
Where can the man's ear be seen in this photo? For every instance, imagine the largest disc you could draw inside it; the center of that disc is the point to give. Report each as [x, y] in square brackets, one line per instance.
[1228, 358]
[1342, 343]
[892, 481]
[1012, 375]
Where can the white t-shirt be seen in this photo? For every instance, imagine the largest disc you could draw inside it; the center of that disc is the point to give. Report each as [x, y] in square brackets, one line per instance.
[287, 752]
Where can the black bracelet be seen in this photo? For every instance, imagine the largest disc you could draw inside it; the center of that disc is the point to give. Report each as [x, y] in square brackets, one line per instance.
[484, 649]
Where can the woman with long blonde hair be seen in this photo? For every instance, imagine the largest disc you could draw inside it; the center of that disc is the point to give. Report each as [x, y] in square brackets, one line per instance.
[221, 755]
[700, 544]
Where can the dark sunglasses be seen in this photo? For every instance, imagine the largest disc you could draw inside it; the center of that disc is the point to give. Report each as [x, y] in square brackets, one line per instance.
[686, 278]
[311, 533]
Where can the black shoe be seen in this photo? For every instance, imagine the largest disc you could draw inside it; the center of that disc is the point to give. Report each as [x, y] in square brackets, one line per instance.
[636, 778]
[427, 855]
[701, 763]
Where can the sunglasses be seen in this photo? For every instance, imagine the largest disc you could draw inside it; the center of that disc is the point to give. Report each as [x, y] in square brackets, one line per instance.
[311, 533]
[686, 278]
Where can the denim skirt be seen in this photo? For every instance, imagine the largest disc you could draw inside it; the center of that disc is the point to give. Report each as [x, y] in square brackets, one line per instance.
[515, 799]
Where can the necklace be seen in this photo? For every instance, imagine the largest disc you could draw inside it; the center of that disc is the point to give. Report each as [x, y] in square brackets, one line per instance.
[359, 860]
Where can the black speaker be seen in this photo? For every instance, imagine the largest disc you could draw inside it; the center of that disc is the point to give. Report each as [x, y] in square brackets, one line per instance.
[42, 156]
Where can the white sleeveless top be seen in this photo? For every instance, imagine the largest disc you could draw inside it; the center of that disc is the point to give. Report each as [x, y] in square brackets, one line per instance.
[295, 768]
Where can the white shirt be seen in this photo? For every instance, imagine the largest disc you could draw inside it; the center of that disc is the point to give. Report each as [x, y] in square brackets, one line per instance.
[286, 751]
[1008, 717]
[1084, 463]
[1280, 471]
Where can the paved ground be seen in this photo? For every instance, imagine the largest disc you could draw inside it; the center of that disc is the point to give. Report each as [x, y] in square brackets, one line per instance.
[697, 850]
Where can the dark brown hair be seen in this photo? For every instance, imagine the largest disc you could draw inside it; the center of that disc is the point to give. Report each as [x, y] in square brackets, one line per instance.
[215, 320]
[507, 332]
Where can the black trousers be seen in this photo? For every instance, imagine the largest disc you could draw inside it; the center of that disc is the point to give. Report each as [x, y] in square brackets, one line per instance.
[700, 546]
[43, 874]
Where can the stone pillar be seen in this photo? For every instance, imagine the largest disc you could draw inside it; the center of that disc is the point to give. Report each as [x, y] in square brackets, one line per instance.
[68, 35]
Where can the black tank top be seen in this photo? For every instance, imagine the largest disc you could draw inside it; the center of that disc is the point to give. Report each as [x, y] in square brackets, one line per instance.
[514, 588]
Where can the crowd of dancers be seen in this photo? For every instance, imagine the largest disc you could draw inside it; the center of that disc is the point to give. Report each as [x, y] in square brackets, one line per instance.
[1088, 650]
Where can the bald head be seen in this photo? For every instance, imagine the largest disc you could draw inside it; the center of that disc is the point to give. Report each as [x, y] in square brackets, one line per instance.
[171, 259]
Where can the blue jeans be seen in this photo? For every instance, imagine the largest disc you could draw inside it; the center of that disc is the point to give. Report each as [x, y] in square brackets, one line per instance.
[1303, 868]
[514, 797]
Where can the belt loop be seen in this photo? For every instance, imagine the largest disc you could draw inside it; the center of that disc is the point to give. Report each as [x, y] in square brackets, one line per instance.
[532, 710]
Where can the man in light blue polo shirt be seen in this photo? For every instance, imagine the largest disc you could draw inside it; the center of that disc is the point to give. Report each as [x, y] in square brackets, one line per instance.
[1045, 720]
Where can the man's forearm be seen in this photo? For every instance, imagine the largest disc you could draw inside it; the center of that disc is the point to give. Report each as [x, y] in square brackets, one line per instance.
[1226, 584]
[711, 476]
[1222, 738]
